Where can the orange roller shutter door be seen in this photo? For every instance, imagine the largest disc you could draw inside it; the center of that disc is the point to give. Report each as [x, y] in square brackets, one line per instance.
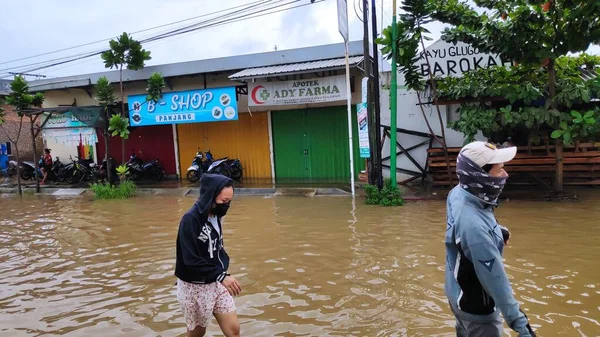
[246, 139]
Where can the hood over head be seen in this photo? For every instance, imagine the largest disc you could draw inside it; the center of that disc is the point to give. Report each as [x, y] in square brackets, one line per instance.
[210, 186]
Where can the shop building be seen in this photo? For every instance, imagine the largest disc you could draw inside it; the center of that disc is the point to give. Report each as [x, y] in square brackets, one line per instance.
[275, 138]
[308, 115]
[68, 137]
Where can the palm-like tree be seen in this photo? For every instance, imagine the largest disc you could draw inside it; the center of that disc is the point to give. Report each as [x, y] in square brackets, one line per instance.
[125, 52]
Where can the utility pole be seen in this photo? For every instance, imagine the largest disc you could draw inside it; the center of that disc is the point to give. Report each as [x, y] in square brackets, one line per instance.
[372, 167]
[394, 101]
[377, 108]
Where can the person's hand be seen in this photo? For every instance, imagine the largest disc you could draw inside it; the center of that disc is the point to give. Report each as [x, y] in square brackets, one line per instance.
[505, 235]
[232, 285]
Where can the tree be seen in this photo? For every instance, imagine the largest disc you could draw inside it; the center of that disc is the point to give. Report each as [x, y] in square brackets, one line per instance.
[532, 33]
[504, 101]
[125, 52]
[22, 102]
[412, 35]
[105, 95]
[115, 124]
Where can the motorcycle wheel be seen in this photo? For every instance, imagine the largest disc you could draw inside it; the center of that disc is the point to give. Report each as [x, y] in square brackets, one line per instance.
[224, 170]
[193, 176]
[157, 173]
[26, 175]
[77, 176]
[135, 176]
[60, 177]
[236, 174]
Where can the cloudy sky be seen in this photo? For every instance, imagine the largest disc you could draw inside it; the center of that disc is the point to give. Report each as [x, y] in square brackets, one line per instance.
[47, 25]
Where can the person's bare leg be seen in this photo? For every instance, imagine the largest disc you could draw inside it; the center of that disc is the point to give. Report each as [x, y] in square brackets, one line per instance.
[229, 324]
[45, 175]
[198, 332]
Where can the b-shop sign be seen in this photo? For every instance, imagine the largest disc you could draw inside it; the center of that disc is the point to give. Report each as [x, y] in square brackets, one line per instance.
[181, 107]
[317, 90]
[447, 59]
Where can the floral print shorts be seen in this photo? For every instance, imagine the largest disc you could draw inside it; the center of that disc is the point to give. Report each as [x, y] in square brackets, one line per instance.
[200, 301]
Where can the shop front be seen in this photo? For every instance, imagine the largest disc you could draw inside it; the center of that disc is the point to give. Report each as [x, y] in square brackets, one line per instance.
[205, 119]
[246, 139]
[309, 128]
[148, 143]
[70, 137]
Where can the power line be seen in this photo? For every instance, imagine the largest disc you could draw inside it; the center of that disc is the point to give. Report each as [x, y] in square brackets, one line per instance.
[194, 27]
[139, 31]
[99, 51]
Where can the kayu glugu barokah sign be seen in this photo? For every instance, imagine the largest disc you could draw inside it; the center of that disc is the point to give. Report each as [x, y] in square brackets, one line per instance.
[305, 91]
[448, 59]
[181, 107]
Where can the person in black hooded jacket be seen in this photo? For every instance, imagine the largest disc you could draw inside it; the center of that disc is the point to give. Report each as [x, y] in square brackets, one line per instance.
[204, 288]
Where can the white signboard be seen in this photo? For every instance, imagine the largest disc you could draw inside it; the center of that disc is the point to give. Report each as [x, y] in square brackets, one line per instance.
[447, 59]
[316, 90]
[342, 12]
[365, 89]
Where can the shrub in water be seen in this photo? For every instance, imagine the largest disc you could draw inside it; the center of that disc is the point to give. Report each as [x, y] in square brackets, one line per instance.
[388, 196]
[126, 189]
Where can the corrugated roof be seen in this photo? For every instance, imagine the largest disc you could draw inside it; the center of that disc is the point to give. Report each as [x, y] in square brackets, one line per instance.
[294, 68]
[221, 64]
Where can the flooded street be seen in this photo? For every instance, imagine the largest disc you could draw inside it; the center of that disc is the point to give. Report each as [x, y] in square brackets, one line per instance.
[308, 267]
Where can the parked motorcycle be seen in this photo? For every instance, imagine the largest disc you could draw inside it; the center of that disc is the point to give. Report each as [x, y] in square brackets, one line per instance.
[113, 170]
[231, 168]
[138, 169]
[83, 170]
[198, 167]
[56, 172]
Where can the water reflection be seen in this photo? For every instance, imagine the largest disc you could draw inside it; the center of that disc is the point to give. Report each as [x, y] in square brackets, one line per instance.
[309, 267]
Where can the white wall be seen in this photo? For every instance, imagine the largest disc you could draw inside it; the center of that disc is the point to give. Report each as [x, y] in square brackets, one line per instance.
[410, 117]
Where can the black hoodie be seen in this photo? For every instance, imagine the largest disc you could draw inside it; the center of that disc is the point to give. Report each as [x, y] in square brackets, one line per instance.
[201, 257]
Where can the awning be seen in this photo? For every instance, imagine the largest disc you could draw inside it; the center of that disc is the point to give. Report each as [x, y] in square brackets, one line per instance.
[296, 68]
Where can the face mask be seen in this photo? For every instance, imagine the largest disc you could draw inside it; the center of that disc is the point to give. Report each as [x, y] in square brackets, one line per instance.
[220, 210]
[476, 181]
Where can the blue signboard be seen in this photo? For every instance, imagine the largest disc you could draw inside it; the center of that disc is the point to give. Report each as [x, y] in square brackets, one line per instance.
[363, 130]
[180, 107]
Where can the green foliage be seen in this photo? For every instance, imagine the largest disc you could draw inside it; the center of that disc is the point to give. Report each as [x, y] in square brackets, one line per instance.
[388, 196]
[479, 117]
[373, 195]
[524, 87]
[522, 31]
[119, 126]
[410, 30]
[125, 52]
[105, 93]
[21, 99]
[525, 83]
[156, 84]
[126, 189]
[579, 126]
[122, 171]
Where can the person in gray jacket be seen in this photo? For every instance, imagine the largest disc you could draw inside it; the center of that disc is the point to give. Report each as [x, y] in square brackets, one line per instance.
[476, 283]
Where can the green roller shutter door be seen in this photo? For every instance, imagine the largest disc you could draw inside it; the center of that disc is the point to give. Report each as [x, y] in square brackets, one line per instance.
[312, 145]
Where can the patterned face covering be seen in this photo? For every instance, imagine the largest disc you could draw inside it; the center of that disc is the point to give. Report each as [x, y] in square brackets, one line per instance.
[477, 182]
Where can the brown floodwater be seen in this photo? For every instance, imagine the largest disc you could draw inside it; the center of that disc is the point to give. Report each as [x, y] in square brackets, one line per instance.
[308, 266]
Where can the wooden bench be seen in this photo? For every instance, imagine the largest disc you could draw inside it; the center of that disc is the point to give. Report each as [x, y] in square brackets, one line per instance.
[533, 166]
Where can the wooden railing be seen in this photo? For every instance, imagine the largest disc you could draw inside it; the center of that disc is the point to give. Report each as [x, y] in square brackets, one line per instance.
[581, 166]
